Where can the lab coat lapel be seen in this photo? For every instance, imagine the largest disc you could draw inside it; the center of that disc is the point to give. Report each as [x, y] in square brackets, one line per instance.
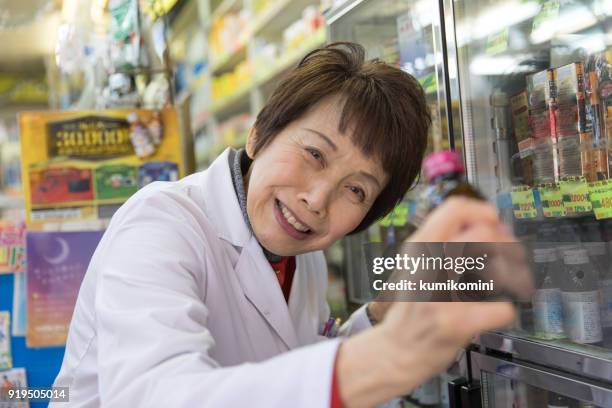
[304, 300]
[255, 274]
[261, 288]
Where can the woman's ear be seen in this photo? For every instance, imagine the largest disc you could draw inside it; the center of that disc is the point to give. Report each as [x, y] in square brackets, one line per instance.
[250, 143]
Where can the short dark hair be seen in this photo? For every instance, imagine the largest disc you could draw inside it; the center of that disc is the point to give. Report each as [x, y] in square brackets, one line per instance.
[384, 105]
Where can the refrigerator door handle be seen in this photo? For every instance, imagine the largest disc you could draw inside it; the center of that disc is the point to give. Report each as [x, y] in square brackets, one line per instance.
[582, 389]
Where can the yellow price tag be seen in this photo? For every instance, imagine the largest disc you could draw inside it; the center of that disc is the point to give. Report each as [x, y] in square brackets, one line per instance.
[386, 221]
[575, 192]
[552, 200]
[400, 215]
[523, 202]
[600, 194]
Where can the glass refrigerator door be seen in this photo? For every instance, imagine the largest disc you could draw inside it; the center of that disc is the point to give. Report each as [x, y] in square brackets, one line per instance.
[536, 106]
[406, 34]
[508, 384]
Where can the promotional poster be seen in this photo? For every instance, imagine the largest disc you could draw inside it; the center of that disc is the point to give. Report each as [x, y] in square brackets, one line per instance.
[57, 262]
[84, 165]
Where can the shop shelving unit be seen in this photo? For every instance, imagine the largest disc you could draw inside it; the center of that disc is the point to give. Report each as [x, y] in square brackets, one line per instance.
[192, 27]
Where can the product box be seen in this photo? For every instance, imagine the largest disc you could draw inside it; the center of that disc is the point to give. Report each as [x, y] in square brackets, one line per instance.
[570, 115]
[541, 90]
[520, 120]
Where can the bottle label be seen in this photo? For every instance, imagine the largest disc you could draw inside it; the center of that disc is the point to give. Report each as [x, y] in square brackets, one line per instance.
[548, 313]
[544, 255]
[582, 316]
[606, 302]
[575, 257]
[596, 248]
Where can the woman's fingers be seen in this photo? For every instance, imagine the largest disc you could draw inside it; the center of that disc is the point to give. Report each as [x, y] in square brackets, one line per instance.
[453, 217]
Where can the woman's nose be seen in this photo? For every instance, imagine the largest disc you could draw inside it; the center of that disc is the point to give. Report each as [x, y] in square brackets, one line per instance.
[316, 199]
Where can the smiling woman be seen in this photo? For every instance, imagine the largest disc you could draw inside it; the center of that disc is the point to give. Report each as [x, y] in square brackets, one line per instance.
[211, 291]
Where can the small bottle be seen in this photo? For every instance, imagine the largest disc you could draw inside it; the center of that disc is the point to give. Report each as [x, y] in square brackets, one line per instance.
[155, 128]
[580, 293]
[140, 137]
[605, 287]
[547, 299]
[444, 173]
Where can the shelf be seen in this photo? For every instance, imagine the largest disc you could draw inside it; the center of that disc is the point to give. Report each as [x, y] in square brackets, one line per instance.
[292, 57]
[270, 19]
[232, 58]
[233, 100]
[221, 9]
[286, 61]
[264, 17]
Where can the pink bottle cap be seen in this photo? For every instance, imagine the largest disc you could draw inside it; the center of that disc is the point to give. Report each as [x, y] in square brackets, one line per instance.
[442, 162]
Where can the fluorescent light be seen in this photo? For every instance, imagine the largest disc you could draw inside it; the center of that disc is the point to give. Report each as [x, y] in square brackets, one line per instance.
[500, 65]
[494, 19]
[569, 21]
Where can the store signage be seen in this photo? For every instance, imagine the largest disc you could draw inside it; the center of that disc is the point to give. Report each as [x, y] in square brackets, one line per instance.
[90, 137]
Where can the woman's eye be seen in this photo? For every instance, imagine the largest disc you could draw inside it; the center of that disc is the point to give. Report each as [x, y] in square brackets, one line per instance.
[316, 154]
[358, 192]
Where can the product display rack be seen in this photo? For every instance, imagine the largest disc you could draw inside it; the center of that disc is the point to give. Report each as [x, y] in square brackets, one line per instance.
[489, 51]
[263, 22]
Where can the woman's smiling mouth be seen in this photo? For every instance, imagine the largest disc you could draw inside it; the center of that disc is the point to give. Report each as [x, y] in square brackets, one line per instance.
[290, 223]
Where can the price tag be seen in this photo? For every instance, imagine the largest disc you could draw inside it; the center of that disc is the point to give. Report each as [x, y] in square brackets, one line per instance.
[497, 42]
[575, 192]
[547, 15]
[386, 221]
[400, 215]
[600, 194]
[523, 203]
[429, 83]
[552, 200]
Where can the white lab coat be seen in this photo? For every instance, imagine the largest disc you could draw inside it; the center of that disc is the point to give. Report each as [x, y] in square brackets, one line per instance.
[180, 308]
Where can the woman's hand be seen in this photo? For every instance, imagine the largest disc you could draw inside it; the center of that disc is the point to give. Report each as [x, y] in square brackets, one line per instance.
[458, 219]
[416, 341]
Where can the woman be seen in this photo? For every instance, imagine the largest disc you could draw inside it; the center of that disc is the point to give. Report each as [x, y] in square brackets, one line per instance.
[210, 291]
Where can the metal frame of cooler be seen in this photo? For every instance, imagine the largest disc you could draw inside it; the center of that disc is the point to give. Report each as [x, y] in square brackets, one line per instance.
[543, 377]
[591, 366]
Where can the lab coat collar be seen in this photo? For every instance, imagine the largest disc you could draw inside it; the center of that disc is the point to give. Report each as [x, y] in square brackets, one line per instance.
[261, 288]
[222, 204]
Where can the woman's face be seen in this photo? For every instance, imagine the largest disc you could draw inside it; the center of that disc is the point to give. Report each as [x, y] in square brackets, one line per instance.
[310, 186]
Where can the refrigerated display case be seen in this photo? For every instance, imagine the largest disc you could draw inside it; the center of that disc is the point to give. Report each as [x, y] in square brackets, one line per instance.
[407, 34]
[535, 92]
[524, 91]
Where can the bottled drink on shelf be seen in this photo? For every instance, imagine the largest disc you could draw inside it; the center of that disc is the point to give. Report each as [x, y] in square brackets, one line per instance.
[605, 287]
[444, 173]
[547, 299]
[568, 238]
[580, 294]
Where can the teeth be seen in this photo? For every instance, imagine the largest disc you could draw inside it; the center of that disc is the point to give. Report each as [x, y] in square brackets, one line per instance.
[291, 220]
